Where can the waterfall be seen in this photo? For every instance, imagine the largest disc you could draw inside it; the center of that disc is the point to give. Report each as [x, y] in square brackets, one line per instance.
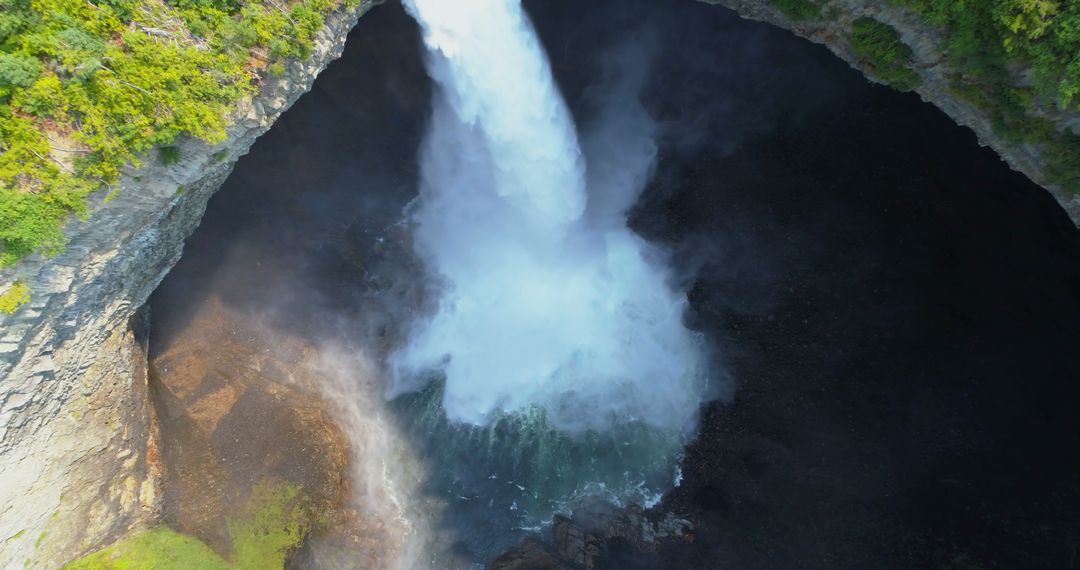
[547, 304]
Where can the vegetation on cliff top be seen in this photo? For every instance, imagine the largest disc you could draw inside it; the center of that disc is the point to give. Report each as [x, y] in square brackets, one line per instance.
[87, 86]
[1018, 60]
[1012, 57]
[276, 521]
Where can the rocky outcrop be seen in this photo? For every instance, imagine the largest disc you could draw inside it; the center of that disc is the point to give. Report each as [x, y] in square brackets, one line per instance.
[77, 459]
[931, 62]
[593, 534]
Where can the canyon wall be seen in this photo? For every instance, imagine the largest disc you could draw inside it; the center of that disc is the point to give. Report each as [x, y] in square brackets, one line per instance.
[931, 61]
[78, 464]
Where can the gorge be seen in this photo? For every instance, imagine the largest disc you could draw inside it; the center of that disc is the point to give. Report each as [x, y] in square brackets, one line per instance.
[896, 324]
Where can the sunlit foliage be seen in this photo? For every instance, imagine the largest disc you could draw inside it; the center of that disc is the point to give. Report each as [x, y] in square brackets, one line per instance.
[87, 86]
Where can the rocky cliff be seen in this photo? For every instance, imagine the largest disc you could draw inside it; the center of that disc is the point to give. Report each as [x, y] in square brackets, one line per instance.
[931, 62]
[77, 454]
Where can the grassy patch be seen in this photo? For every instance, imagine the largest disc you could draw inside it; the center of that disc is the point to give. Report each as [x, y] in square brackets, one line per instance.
[798, 10]
[16, 296]
[880, 46]
[156, 549]
[275, 522]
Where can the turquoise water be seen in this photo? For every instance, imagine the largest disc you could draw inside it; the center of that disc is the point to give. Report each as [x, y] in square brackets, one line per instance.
[506, 479]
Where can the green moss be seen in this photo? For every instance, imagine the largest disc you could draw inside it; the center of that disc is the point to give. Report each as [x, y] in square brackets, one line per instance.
[16, 296]
[156, 549]
[798, 10]
[880, 46]
[275, 522]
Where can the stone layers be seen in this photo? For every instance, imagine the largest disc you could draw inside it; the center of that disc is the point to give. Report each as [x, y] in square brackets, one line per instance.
[77, 460]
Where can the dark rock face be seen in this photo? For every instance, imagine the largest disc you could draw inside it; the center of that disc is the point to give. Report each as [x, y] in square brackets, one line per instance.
[595, 533]
[532, 555]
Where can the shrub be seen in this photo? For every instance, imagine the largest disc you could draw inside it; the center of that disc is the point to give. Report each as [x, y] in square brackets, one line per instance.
[16, 295]
[45, 98]
[888, 56]
[17, 70]
[168, 155]
[798, 10]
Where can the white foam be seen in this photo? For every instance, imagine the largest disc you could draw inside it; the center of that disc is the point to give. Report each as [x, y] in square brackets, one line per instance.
[547, 300]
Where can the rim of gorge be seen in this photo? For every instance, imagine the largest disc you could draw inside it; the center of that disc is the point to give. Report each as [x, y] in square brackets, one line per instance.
[109, 430]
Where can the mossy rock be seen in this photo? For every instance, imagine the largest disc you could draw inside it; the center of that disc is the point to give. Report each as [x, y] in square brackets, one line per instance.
[278, 520]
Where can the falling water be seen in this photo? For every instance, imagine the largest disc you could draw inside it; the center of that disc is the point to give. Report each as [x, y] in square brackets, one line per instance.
[547, 300]
[554, 361]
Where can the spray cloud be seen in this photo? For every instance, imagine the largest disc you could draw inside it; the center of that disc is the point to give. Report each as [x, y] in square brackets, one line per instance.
[547, 301]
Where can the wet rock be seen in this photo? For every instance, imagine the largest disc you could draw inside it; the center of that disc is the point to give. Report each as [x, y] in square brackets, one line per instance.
[931, 63]
[239, 406]
[596, 533]
[531, 555]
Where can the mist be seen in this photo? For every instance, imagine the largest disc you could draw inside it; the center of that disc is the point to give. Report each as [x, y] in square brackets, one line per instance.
[544, 301]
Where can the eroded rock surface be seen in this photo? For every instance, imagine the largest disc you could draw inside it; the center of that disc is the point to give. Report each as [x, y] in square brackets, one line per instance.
[239, 408]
